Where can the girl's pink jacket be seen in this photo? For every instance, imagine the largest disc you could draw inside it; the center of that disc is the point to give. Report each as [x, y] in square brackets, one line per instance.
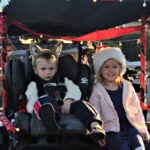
[101, 100]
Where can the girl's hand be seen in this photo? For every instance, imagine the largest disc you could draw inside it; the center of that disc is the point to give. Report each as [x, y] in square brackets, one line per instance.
[65, 109]
[145, 136]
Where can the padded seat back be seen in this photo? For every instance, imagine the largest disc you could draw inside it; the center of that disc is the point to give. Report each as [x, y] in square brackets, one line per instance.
[77, 72]
[19, 73]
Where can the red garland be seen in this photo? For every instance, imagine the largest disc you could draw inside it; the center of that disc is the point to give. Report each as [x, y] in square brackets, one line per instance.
[3, 28]
[94, 36]
[143, 65]
[108, 34]
[3, 32]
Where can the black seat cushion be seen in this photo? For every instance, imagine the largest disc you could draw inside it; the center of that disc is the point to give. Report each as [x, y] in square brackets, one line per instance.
[18, 82]
[8, 85]
[68, 68]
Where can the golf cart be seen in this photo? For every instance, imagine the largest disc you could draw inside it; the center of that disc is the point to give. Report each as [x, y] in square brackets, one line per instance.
[72, 20]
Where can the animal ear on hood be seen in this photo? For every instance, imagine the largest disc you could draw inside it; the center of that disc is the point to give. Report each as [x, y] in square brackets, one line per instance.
[54, 47]
[57, 48]
[35, 50]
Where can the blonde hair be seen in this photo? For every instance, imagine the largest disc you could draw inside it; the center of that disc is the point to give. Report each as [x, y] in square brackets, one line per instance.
[47, 56]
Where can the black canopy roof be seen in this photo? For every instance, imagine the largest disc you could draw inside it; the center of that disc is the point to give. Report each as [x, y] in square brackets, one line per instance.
[73, 17]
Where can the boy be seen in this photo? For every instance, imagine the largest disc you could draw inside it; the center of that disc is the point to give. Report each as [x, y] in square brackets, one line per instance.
[49, 98]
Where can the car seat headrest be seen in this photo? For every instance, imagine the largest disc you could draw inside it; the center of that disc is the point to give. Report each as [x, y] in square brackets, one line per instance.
[68, 68]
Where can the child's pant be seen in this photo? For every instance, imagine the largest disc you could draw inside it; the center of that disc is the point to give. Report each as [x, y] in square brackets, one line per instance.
[127, 140]
[85, 112]
[81, 109]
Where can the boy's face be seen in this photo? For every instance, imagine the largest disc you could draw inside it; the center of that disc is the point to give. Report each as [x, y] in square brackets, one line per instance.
[44, 69]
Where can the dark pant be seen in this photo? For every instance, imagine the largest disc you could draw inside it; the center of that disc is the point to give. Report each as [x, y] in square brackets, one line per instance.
[81, 109]
[85, 112]
[147, 145]
[127, 140]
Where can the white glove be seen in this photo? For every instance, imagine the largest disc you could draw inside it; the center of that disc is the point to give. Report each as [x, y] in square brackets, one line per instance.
[73, 91]
[32, 96]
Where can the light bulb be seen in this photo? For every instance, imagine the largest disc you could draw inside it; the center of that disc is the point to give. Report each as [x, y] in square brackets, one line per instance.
[144, 4]
[120, 44]
[94, 1]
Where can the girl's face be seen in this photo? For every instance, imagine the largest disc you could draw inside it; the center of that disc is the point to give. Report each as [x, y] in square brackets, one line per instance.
[110, 70]
[44, 69]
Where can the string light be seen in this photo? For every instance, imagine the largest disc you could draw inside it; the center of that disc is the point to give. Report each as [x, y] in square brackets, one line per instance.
[124, 25]
[138, 41]
[120, 44]
[139, 20]
[94, 1]
[123, 41]
[41, 36]
[144, 3]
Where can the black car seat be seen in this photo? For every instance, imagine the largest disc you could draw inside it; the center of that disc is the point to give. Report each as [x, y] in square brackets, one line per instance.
[18, 74]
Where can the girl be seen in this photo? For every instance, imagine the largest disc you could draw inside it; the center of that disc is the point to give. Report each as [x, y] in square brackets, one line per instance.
[117, 102]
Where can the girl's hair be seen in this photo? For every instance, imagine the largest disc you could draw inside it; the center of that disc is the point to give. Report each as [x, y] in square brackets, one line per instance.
[101, 79]
[47, 56]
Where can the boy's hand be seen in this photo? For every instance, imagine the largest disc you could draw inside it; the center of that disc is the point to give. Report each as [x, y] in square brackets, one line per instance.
[65, 109]
[31, 91]
[73, 91]
[32, 96]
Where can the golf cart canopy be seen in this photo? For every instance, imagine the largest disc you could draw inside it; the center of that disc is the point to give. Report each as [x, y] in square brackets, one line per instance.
[71, 17]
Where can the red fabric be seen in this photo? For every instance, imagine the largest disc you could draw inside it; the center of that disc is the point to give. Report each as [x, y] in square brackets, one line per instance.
[142, 61]
[143, 66]
[94, 36]
[4, 98]
[25, 28]
[37, 106]
[6, 123]
[3, 26]
[22, 107]
[142, 81]
[143, 40]
[107, 34]
[144, 106]
[143, 33]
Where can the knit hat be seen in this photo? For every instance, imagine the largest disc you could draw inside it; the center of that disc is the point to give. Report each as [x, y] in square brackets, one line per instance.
[108, 53]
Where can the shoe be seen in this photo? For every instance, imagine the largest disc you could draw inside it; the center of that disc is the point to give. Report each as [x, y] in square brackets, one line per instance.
[6, 123]
[97, 134]
[47, 116]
